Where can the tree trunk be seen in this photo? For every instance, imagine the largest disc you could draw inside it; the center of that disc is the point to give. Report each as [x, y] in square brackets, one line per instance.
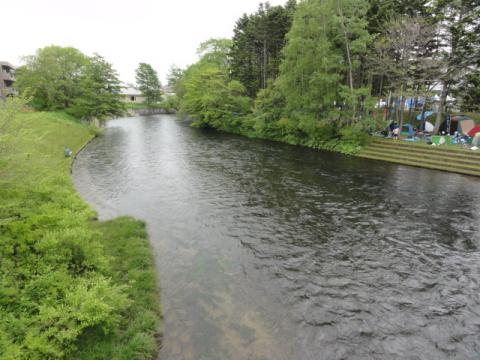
[402, 108]
[441, 106]
[264, 64]
[381, 86]
[424, 106]
[386, 110]
[349, 59]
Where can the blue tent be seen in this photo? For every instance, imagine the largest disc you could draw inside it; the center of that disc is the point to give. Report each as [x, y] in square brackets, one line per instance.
[427, 114]
[408, 129]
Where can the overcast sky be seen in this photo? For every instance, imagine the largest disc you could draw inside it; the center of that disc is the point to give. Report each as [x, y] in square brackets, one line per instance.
[158, 32]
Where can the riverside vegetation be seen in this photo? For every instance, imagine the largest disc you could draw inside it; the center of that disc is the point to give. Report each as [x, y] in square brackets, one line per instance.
[71, 287]
[309, 73]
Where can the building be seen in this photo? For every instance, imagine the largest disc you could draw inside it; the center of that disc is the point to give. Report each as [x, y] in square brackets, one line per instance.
[7, 79]
[132, 95]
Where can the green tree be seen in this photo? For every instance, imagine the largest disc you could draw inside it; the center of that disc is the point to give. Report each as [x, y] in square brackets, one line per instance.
[98, 91]
[404, 55]
[257, 45]
[52, 74]
[319, 75]
[459, 49]
[174, 76]
[148, 82]
[468, 92]
[207, 95]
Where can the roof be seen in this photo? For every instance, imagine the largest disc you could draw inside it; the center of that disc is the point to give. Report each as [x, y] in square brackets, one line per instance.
[7, 64]
[130, 91]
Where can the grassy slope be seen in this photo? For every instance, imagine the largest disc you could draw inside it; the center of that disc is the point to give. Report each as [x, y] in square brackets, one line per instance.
[37, 197]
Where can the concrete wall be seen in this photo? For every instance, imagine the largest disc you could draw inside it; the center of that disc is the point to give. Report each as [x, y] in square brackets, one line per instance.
[135, 112]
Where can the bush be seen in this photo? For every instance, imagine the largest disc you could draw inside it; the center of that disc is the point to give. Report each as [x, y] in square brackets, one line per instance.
[62, 276]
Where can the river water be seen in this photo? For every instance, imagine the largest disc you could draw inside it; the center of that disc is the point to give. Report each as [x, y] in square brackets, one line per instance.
[268, 251]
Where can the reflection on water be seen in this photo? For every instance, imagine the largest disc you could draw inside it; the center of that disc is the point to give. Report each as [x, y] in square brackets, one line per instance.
[267, 251]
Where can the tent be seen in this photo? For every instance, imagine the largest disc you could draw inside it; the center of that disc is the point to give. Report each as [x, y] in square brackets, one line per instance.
[426, 115]
[474, 131]
[460, 123]
[466, 126]
[408, 130]
[429, 127]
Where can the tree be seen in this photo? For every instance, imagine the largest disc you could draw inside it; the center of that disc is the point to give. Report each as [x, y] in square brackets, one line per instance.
[147, 80]
[318, 74]
[405, 55]
[468, 92]
[99, 91]
[257, 45]
[174, 76]
[52, 74]
[207, 94]
[459, 50]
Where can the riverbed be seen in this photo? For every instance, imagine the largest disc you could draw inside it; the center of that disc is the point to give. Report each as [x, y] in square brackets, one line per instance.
[269, 251]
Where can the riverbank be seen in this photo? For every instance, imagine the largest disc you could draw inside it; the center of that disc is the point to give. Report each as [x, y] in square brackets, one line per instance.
[145, 111]
[71, 287]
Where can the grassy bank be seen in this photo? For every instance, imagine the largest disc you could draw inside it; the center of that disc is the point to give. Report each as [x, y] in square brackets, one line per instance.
[70, 287]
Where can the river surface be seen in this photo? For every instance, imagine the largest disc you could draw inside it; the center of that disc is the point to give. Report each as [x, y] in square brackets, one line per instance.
[268, 251]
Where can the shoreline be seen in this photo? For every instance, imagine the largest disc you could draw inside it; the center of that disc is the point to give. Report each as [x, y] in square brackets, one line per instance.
[99, 280]
[109, 228]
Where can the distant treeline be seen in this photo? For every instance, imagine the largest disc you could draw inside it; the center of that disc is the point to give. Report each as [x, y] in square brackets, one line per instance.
[63, 78]
[311, 73]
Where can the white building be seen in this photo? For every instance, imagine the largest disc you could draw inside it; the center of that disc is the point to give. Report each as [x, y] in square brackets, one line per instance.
[132, 95]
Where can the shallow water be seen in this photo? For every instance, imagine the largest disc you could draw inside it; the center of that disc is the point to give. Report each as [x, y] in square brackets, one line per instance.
[268, 251]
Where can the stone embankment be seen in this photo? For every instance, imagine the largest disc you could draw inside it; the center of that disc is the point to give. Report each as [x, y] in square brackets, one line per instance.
[142, 112]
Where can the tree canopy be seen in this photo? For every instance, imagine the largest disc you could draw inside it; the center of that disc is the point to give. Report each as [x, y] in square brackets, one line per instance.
[148, 83]
[63, 78]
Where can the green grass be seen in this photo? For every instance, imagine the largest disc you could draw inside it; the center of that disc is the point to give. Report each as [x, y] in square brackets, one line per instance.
[143, 106]
[125, 241]
[70, 287]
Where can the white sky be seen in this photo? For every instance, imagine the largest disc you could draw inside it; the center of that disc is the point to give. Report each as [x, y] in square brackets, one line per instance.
[161, 32]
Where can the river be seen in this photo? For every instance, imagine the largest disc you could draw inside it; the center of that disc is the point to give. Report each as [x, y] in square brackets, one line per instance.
[269, 251]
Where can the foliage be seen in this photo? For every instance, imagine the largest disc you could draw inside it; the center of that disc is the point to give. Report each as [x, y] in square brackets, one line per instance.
[52, 74]
[459, 45]
[324, 45]
[64, 278]
[125, 242]
[65, 79]
[317, 90]
[170, 103]
[9, 109]
[257, 45]
[468, 90]
[207, 94]
[99, 91]
[148, 83]
[210, 99]
[174, 76]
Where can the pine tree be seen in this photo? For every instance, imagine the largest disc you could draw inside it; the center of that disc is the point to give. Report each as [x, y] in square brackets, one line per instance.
[257, 44]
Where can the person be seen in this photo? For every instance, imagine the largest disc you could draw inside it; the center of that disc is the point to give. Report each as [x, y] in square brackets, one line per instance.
[476, 141]
[395, 133]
